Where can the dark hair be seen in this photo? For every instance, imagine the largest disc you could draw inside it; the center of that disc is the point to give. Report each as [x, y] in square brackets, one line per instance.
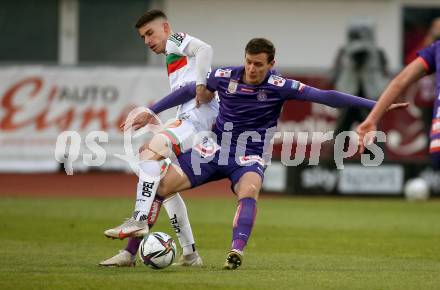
[149, 16]
[261, 45]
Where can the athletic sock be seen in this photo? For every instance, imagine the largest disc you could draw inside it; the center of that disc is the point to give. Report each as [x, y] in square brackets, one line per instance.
[149, 178]
[133, 245]
[133, 242]
[153, 214]
[243, 222]
[176, 210]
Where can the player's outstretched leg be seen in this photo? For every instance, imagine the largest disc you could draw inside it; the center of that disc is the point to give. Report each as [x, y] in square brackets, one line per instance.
[247, 190]
[137, 225]
[127, 257]
[242, 227]
[150, 168]
[176, 210]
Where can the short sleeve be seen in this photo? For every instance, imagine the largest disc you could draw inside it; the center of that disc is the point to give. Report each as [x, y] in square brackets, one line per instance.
[215, 76]
[177, 42]
[428, 56]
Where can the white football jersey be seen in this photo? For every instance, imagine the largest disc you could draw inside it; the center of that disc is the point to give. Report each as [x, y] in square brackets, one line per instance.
[182, 70]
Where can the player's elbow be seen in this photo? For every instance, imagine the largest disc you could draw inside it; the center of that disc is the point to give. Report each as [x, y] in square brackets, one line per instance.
[206, 50]
[399, 83]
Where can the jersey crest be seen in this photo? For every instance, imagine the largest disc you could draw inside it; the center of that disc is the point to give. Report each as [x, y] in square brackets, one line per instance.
[232, 87]
[276, 80]
[261, 96]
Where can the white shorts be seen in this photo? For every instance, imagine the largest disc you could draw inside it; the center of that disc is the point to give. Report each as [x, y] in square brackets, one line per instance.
[180, 133]
[202, 117]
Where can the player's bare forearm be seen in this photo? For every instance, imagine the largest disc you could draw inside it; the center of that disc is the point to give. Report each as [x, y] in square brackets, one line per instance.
[411, 73]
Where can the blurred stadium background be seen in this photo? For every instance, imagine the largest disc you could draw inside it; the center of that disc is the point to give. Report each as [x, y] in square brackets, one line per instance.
[79, 65]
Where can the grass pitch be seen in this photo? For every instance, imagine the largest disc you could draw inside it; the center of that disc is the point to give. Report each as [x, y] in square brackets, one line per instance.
[297, 243]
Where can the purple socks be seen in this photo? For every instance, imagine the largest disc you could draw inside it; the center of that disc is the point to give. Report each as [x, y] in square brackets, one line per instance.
[133, 245]
[243, 222]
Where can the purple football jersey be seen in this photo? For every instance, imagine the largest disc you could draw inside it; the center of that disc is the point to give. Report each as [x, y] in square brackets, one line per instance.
[431, 56]
[253, 110]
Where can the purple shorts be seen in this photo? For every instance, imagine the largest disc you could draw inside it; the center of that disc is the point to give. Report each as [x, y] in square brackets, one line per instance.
[200, 171]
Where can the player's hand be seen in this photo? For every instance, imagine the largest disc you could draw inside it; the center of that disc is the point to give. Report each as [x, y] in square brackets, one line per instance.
[139, 121]
[203, 95]
[362, 130]
[397, 106]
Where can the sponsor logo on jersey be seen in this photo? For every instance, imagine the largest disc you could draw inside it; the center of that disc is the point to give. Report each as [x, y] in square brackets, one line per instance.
[251, 159]
[276, 80]
[232, 87]
[223, 73]
[177, 38]
[184, 116]
[296, 85]
[246, 90]
[262, 96]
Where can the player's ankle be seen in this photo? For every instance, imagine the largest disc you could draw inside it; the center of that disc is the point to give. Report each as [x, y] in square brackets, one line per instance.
[189, 250]
[191, 256]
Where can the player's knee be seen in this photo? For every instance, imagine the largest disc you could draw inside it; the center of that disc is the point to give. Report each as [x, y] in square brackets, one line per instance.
[247, 190]
[156, 149]
[143, 148]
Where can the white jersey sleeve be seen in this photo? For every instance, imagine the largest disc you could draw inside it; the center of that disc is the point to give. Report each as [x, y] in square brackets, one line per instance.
[183, 44]
[203, 54]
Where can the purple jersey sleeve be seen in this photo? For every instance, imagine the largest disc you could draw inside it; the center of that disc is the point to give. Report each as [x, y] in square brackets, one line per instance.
[294, 90]
[216, 75]
[428, 55]
[211, 82]
[176, 98]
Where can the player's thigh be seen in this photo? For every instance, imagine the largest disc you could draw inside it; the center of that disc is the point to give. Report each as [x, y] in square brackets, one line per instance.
[174, 140]
[180, 135]
[175, 180]
[199, 169]
[249, 185]
[156, 149]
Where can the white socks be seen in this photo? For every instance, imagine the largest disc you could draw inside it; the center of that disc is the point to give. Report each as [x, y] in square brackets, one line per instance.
[176, 209]
[149, 178]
